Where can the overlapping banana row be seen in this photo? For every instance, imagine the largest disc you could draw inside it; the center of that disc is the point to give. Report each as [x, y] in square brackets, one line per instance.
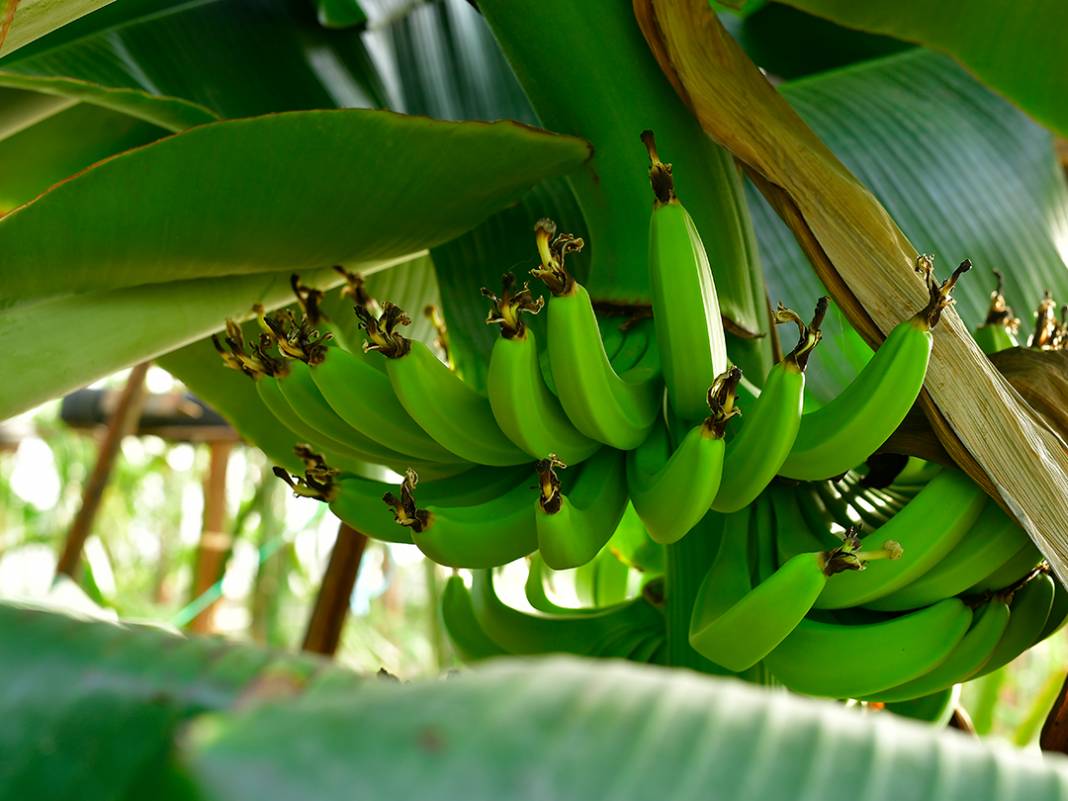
[836, 586]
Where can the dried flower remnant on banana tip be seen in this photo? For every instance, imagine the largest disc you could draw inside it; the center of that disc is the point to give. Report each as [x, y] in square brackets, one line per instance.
[507, 310]
[553, 249]
[405, 511]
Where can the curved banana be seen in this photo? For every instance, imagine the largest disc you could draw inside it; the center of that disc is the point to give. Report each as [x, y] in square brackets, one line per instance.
[846, 431]
[936, 708]
[992, 540]
[671, 492]
[456, 416]
[768, 429]
[1011, 572]
[527, 412]
[689, 328]
[482, 535]
[927, 530]
[738, 631]
[361, 395]
[971, 654]
[574, 525]
[855, 661]
[1031, 605]
[1058, 613]
[457, 613]
[585, 634]
[611, 409]
[793, 535]
[534, 590]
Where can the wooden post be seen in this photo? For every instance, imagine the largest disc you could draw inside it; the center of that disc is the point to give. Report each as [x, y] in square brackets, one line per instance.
[214, 539]
[123, 420]
[332, 603]
[1054, 735]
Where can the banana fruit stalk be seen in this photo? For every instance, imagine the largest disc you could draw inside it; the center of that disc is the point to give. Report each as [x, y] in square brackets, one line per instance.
[615, 410]
[846, 431]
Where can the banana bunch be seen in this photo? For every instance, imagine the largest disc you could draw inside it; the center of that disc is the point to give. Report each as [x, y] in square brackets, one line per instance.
[628, 430]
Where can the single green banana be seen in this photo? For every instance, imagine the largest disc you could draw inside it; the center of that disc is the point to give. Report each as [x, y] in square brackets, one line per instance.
[362, 396]
[757, 451]
[612, 409]
[584, 634]
[1010, 572]
[935, 708]
[926, 531]
[992, 540]
[457, 613]
[971, 654]
[483, 535]
[998, 331]
[1058, 613]
[456, 416]
[573, 526]
[689, 329]
[672, 491]
[738, 635]
[855, 661]
[850, 428]
[534, 590]
[1031, 606]
[604, 580]
[527, 412]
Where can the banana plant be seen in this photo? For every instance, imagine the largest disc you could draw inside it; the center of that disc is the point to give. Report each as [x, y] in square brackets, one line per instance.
[266, 196]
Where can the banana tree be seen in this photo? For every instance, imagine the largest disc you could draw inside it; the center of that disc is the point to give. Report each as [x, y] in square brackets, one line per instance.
[274, 190]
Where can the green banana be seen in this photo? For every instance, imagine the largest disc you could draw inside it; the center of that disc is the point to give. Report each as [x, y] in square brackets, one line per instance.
[1031, 605]
[456, 416]
[1058, 613]
[617, 411]
[926, 531]
[756, 453]
[737, 631]
[993, 540]
[847, 430]
[361, 394]
[689, 330]
[671, 492]
[971, 654]
[1010, 572]
[936, 708]
[527, 412]
[457, 613]
[854, 661]
[574, 526]
[534, 590]
[483, 535]
[793, 535]
[998, 331]
[584, 634]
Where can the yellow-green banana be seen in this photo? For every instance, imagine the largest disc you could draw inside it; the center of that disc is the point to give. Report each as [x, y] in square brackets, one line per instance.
[848, 429]
[488, 534]
[926, 531]
[527, 412]
[689, 328]
[853, 661]
[756, 453]
[612, 409]
[992, 540]
[455, 415]
[574, 525]
[672, 491]
[971, 654]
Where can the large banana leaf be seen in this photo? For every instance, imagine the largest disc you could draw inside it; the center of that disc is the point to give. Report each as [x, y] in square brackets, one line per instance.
[22, 21]
[962, 172]
[177, 64]
[91, 711]
[1017, 48]
[362, 187]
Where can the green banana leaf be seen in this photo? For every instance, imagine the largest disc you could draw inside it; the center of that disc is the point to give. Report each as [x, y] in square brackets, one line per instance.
[962, 172]
[410, 285]
[1016, 48]
[361, 187]
[178, 64]
[58, 144]
[94, 710]
[22, 21]
[340, 13]
[91, 709]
